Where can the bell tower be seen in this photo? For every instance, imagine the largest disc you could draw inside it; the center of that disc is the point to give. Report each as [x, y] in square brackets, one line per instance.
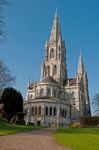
[54, 64]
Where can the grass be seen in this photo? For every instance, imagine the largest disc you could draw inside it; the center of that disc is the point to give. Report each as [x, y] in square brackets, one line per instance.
[79, 138]
[7, 128]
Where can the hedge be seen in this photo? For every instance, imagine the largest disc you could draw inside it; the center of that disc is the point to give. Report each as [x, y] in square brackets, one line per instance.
[89, 121]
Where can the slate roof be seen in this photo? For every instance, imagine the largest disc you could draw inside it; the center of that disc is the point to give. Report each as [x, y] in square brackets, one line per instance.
[72, 82]
[49, 80]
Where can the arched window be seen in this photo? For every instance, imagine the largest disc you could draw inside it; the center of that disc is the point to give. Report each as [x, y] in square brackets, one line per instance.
[31, 96]
[48, 92]
[50, 111]
[54, 111]
[54, 93]
[54, 70]
[59, 55]
[32, 110]
[46, 111]
[48, 69]
[51, 53]
[61, 112]
[65, 113]
[45, 71]
[59, 52]
[39, 110]
[35, 110]
[42, 92]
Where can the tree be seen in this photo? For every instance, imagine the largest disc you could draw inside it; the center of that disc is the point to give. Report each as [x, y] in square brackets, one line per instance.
[13, 102]
[3, 3]
[95, 104]
[6, 79]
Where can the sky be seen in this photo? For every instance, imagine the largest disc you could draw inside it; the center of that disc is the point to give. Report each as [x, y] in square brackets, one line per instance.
[28, 25]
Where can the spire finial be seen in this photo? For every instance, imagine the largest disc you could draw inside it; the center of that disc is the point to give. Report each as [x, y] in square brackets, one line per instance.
[80, 52]
[56, 12]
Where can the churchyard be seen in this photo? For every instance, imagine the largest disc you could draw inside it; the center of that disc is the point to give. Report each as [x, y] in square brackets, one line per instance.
[78, 138]
[8, 128]
[73, 138]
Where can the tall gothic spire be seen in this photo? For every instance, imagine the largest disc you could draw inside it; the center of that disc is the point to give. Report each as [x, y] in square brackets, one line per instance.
[55, 32]
[81, 68]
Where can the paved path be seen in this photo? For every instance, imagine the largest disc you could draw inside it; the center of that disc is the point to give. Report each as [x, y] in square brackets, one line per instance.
[40, 139]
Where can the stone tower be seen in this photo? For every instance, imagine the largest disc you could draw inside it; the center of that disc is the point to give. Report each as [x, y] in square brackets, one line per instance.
[54, 64]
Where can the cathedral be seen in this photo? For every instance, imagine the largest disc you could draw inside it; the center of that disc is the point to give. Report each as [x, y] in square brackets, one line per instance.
[57, 100]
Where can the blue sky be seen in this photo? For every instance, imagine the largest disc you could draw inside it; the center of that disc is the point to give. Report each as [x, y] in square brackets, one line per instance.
[28, 25]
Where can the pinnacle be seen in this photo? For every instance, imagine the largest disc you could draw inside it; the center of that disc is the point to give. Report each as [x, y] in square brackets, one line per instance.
[81, 69]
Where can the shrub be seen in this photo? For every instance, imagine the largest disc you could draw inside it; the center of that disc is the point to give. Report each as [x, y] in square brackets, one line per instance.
[88, 121]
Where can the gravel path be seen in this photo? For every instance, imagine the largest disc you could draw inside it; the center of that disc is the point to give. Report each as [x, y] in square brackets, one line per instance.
[40, 139]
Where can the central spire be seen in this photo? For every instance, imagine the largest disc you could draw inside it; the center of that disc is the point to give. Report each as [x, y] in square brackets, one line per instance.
[55, 32]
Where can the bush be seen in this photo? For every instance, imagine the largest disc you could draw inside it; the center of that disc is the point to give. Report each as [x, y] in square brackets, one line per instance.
[88, 121]
[76, 125]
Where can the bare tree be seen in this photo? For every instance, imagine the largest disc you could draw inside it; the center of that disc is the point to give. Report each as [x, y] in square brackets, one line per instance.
[6, 79]
[3, 3]
[95, 104]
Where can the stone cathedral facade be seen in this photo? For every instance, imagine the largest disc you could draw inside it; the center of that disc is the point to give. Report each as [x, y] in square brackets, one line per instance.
[57, 100]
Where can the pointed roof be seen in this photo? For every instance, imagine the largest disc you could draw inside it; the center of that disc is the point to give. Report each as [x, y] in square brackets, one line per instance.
[55, 32]
[49, 80]
[81, 68]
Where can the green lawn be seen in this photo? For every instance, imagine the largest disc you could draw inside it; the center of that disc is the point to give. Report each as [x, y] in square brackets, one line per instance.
[7, 128]
[78, 139]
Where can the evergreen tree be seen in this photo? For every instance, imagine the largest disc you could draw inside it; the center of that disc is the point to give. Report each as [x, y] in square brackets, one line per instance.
[13, 102]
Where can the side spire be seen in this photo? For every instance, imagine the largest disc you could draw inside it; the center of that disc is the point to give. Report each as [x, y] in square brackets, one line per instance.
[81, 68]
[29, 82]
[55, 32]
